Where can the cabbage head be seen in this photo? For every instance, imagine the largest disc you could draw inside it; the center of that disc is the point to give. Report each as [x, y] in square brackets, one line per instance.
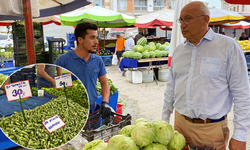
[143, 134]
[163, 131]
[177, 142]
[121, 142]
[140, 120]
[155, 146]
[126, 130]
[95, 145]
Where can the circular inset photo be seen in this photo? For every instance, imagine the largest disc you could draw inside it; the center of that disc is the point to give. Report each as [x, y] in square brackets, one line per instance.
[43, 106]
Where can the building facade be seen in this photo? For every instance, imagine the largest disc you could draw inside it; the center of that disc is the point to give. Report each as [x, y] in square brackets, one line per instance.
[133, 7]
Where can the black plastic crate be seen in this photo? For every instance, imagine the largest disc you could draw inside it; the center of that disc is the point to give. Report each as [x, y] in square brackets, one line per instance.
[21, 76]
[113, 125]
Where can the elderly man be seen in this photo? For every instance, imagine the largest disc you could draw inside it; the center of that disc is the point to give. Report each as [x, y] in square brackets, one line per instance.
[208, 74]
[129, 44]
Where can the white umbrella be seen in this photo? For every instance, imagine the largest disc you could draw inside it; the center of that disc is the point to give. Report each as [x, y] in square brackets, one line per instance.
[240, 25]
[176, 36]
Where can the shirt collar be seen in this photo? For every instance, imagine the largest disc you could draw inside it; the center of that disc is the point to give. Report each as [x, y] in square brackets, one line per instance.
[208, 36]
[92, 56]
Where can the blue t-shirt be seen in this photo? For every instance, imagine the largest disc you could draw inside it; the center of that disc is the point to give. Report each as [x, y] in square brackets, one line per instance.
[87, 72]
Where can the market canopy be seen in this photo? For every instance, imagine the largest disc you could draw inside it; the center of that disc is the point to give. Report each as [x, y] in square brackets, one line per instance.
[13, 9]
[242, 2]
[163, 17]
[240, 25]
[221, 16]
[45, 20]
[97, 15]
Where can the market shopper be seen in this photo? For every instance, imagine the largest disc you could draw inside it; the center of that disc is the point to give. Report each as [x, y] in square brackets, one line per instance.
[46, 74]
[87, 66]
[120, 44]
[208, 75]
[130, 43]
[243, 36]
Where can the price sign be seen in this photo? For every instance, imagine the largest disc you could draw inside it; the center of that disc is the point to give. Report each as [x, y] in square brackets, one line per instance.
[53, 123]
[13, 90]
[63, 80]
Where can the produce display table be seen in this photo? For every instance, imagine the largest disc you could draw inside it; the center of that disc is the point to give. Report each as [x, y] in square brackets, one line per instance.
[133, 63]
[148, 63]
[246, 51]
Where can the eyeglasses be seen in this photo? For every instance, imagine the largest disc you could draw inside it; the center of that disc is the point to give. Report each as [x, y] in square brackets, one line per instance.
[187, 19]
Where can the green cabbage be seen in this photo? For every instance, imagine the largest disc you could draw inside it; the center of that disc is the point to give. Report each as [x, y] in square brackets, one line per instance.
[155, 146]
[126, 130]
[143, 134]
[121, 142]
[95, 145]
[177, 142]
[140, 120]
[163, 131]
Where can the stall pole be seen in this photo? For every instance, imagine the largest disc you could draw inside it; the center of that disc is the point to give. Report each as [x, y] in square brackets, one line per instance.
[29, 34]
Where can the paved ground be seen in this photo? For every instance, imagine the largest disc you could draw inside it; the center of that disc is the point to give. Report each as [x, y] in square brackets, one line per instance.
[146, 102]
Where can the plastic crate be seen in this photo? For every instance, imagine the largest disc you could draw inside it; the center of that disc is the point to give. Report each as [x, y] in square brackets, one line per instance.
[8, 64]
[112, 100]
[20, 76]
[107, 60]
[113, 126]
[248, 61]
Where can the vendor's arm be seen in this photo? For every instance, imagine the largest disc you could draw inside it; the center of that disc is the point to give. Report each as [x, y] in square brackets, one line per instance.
[59, 71]
[168, 99]
[43, 73]
[237, 76]
[105, 88]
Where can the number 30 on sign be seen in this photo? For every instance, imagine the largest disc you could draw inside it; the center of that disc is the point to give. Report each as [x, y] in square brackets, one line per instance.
[13, 90]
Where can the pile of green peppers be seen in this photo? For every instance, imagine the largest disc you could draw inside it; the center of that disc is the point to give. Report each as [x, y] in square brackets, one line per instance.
[34, 135]
[76, 92]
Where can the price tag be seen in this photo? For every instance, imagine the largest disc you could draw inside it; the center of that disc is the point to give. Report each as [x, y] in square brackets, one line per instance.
[53, 123]
[13, 90]
[64, 79]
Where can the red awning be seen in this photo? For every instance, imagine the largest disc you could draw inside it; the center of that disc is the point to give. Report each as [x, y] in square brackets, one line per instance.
[154, 23]
[243, 2]
[119, 29]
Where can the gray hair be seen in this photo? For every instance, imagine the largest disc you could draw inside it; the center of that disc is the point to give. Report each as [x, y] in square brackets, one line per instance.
[205, 9]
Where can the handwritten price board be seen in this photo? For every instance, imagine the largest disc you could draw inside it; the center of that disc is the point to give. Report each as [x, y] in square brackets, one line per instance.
[13, 90]
[64, 79]
[53, 123]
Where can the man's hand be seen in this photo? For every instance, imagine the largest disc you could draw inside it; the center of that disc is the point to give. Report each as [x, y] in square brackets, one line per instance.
[237, 145]
[105, 110]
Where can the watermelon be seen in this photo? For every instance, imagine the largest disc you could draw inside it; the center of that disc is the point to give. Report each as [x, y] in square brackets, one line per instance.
[146, 48]
[138, 48]
[164, 53]
[130, 54]
[152, 54]
[125, 54]
[158, 45]
[142, 41]
[158, 54]
[151, 43]
[166, 43]
[136, 55]
[152, 47]
[145, 55]
[162, 47]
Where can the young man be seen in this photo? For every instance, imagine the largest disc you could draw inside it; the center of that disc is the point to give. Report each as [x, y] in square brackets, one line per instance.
[208, 74]
[87, 66]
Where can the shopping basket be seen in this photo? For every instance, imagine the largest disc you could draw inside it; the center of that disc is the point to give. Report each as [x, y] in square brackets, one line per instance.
[110, 127]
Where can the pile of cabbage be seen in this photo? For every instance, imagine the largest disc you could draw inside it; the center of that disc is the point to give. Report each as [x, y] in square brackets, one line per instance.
[142, 135]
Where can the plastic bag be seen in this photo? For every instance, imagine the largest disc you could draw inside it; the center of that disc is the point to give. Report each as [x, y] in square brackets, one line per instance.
[114, 60]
